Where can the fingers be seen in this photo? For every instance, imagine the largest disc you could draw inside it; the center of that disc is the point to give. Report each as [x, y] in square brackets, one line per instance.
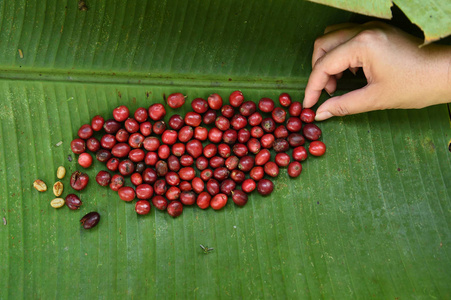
[336, 61]
[358, 101]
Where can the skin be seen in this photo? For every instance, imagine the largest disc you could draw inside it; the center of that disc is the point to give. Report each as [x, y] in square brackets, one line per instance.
[400, 73]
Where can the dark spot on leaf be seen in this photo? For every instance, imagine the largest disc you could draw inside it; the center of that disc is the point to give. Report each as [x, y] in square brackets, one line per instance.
[69, 158]
[399, 169]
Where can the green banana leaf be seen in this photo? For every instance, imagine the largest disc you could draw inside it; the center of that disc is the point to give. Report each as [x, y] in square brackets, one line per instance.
[432, 16]
[370, 219]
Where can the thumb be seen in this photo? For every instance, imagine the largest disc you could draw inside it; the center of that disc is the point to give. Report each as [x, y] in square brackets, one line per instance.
[358, 101]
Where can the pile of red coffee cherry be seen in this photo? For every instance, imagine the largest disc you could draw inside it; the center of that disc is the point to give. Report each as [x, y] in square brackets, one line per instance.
[214, 152]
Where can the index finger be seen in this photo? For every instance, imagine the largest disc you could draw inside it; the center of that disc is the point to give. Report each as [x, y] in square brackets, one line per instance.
[337, 60]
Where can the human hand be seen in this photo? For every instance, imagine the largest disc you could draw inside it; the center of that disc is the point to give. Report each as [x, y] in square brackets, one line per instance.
[399, 73]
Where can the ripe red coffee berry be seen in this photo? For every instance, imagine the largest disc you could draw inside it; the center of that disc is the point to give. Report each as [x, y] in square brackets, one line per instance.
[172, 178]
[144, 191]
[161, 167]
[73, 202]
[136, 140]
[201, 163]
[262, 157]
[131, 125]
[108, 141]
[122, 136]
[97, 123]
[160, 202]
[160, 187]
[255, 119]
[265, 187]
[294, 169]
[239, 197]
[126, 167]
[79, 180]
[266, 105]
[203, 200]
[173, 193]
[214, 101]
[185, 186]
[103, 155]
[121, 113]
[136, 155]
[185, 134]
[85, 131]
[209, 117]
[198, 185]
[282, 159]
[159, 127]
[230, 136]
[285, 99]
[188, 198]
[149, 176]
[212, 187]
[111, 126]
[294, 124]
[257, 173]
[175, 209]
[169, 137]
[199, 105]
[237, 176]
[240, 150]
[206, 174]
[194, 148]
[103, 178]
[254, 146]
[176, 122]
[90, 220]
[295, 109]
[296, 139]
[248, 185]
[151, 158]
[93, 144]
[224, 150]
[85, 160]
[281, 132]
[317, 148]
[215, 135]
[186, 160]
[281, 145]
[247, 108]
[218, 201]
[299, 153]
[116, 182]
[121, 150]
[227, 186]
[257, 132]
[142, 207]
[216, 162]
[178, 149]
[311, 132]
[271, 169]
[164, 151]
[238, 121]
[136, 179]
[246, 163]
[236, 98]
[200, 133]
[173, 163]
[307, 115]
[268, 125]
[243, 135]
[232, 162]
[187, 173]
[176, 100]
[210, 150]
[193, 119]
[126, 193]
[279, 115]
[78, 146]
[227, 111]
[222, 123]
[140, 114]
[112, 164]
[157, 111]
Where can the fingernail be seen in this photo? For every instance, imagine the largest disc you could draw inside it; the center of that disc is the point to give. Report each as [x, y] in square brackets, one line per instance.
[323, 116]
[330, 94]
[353, 72]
